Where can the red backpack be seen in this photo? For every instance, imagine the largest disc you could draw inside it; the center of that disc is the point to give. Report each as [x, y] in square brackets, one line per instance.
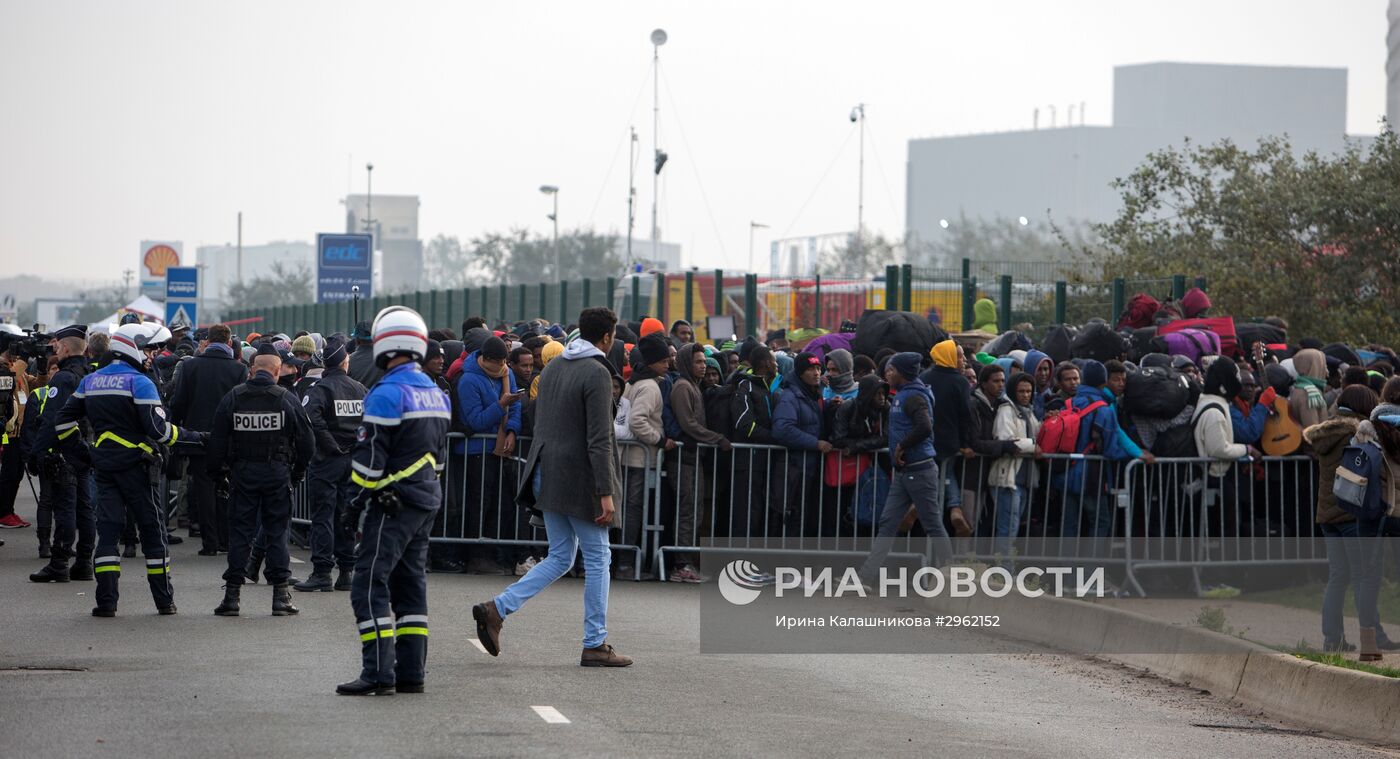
[1059, 433]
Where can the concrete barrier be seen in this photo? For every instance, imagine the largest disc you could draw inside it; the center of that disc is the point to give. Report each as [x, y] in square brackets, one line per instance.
[1280, 686]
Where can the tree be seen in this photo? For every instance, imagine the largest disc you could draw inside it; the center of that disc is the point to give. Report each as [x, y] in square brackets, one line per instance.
[519, 257]
[1001, 239]
[861, 257]
[285, 284]
[1314, 239]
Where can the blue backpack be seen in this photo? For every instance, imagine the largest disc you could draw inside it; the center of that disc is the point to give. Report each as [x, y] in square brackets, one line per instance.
[1357, 484]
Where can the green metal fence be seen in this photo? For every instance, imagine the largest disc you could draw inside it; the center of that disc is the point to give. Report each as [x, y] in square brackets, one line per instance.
[1027, 295]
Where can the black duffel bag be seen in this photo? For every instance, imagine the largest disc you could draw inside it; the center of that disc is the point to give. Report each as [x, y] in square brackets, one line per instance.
[1156, 392]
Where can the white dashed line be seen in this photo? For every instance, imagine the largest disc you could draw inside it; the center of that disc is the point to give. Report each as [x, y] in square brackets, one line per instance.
[478, 645]
[551, 715]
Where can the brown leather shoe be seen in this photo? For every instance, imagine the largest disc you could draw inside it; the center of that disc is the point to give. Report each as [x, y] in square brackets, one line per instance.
[603, 656]
[488, 626]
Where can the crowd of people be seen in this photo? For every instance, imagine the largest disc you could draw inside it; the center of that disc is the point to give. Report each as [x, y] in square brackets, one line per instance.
[817, 438]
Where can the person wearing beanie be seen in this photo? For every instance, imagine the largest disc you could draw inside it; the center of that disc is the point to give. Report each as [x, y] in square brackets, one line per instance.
[434, 364]
[688, 408]
[489, 413]
[798, 426]
[912, 450]
[1195, 303]
[644, 424]
[650, 325]
[548, 352]
[746, 350]
[714, 377]
[1089, 483]
[303, 347]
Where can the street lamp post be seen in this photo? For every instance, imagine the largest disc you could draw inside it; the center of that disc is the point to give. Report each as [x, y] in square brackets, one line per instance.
[858, 115]
[553, 191]
[369, 204]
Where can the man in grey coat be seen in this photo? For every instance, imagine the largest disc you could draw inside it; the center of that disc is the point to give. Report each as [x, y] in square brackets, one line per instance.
[573, 446]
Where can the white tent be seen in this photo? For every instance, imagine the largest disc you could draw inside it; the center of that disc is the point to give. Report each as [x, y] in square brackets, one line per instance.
[150, 310]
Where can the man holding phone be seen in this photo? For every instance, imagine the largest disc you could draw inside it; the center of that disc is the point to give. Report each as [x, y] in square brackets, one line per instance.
[571, 477]
[488, 406]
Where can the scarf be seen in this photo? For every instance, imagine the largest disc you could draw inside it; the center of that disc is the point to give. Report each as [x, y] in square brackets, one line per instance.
[1314, 388]
[492, 373]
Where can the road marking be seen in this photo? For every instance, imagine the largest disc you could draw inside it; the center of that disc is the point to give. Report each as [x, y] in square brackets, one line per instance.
[551, 715]
[295, 560]
[478, 645]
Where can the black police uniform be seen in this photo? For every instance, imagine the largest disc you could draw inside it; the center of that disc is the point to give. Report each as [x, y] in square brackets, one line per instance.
[402, 446]
[260, 432]
[130, 427]
[70, 485]
[334, 406]
[43, 515]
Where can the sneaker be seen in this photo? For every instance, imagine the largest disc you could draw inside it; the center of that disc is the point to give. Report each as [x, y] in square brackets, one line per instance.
[687, 573]
[525, 566]
[12, 522]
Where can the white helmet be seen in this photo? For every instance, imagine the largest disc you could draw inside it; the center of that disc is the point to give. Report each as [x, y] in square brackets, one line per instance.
[399, 330]
[156, 335]
[130, 340]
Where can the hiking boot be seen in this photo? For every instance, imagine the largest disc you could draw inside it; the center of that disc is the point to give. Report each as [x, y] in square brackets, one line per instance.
[166, 611]
[50, 573]
[229, 606]
[80, 571]
[488, 626]
[344, 578]
[104, 611]
[603, 656]
[686, 573]
[318, 582]
[358, 687]
[282, 602]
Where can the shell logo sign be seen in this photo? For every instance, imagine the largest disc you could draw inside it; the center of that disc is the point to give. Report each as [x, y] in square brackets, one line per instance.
[158, 258]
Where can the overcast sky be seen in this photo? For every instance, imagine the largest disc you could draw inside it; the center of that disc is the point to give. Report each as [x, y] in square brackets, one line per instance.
[130, 120]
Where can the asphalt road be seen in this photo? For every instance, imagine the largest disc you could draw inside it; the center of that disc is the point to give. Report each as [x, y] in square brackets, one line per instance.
[199, 685]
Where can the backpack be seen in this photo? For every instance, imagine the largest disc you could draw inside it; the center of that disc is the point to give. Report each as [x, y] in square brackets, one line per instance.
[1357, 483]
[1156, 391]
[1179, 442]
[1059, 433]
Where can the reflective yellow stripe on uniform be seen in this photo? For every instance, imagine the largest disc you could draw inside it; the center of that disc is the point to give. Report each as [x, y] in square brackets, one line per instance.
[411, 631]
[371, 635]
[108, 568]
[372, 484]
[109, 435]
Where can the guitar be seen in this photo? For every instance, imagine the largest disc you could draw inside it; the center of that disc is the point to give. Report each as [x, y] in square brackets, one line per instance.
[1282, 435]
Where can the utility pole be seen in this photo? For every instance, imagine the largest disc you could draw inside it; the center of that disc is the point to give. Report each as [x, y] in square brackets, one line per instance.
[631, 190]
[126, 284]
[858, 115]
[658, 38]
[553, 190]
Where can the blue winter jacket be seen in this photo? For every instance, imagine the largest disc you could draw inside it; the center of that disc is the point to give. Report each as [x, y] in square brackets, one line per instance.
[1101, 430]
[479, 408]
[1248, 429]
[797, 418]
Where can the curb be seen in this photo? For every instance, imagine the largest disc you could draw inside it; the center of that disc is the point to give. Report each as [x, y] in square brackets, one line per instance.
[1332, 699]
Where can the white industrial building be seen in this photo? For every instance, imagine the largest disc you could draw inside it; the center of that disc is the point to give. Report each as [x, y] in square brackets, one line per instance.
[395, 230]
[1064, 172]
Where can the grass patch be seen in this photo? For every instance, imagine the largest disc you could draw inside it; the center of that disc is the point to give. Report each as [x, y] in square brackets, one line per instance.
[1340, 660]
[1310, 597]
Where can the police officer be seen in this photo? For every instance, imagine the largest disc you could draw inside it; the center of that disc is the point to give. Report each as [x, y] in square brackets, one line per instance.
[69, 484]
[334, 405]
[131, 429]
[261, 434]
[401, 447]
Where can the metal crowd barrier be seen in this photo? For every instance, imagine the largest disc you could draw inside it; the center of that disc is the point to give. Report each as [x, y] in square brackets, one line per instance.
[1258, 512]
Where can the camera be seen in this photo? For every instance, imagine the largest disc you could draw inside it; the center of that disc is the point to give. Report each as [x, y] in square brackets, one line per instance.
[27, 346]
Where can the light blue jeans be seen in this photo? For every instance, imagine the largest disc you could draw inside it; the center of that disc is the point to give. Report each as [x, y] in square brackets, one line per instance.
[566, 536]
[1008, 521]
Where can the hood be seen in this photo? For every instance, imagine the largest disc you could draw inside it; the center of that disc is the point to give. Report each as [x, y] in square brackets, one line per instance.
[841, 380]
[1365, 433]
[474, 339]
[549, 352]
[1019, 356]
[1311, 362]
[984, 314]
[1194, 302]
[866, 389]
[684, 357]
[1034, 359]
[1005, 364]
[945, 354]
[580, 349]
[1326, 437]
